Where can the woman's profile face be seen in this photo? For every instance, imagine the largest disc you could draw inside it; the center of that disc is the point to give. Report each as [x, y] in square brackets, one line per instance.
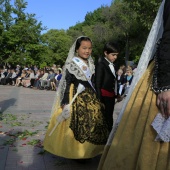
[84, 50]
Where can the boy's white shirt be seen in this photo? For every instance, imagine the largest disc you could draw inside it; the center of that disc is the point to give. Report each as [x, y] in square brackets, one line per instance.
[111, 65]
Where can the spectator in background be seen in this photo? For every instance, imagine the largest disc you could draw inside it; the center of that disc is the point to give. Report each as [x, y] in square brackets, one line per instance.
[47, 83]
[127, 81]
[56, 80]
[123, 67]
[36, 81]
[35, 69]
[3, 74]
[13, 75]
[32, 81]
[18, 74]
[18, 68]
[41, 80]
[4, 80]
[19, 79]
[26, 81]
[54, 67]
[120, 81]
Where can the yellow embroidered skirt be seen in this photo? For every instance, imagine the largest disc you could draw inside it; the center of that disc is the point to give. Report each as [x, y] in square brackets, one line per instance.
[134, 146]
[84, 134]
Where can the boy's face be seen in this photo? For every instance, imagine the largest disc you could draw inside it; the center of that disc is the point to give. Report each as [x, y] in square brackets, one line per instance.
[111, 57]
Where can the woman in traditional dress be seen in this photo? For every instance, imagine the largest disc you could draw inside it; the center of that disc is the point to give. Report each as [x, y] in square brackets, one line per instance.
[140, 137]
[82, 132]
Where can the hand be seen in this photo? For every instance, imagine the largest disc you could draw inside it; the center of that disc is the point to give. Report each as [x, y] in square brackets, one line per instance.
[62, 106]
[163, 103]
[66, 112]
[119, 98]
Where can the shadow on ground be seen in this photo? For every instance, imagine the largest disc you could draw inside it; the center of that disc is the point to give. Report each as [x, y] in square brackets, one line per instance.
[5, 104]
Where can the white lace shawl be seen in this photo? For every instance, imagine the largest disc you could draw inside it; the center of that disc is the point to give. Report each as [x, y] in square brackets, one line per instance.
[147, 54]
[62, 85]
[76, 71]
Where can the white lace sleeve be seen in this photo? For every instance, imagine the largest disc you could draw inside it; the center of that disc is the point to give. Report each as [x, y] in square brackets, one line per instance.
[162, 127]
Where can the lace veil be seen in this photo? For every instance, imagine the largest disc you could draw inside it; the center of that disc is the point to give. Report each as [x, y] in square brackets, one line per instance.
[147, 54]
[62, 85]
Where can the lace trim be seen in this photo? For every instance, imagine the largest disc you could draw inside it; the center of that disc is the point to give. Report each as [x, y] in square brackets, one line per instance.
[76, 71]
[87, 119]
[162, 127]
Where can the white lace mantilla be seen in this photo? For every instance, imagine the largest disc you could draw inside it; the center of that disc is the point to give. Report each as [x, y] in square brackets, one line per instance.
[162, 127]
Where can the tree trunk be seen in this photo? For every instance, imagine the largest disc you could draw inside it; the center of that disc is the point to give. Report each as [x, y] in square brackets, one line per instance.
[127, 50]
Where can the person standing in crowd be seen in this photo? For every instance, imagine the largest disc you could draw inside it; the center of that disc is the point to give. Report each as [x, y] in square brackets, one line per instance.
[120, 81]
[142, 139]
[128, 77]
[105, 80]
[56, 80]
[84, 132]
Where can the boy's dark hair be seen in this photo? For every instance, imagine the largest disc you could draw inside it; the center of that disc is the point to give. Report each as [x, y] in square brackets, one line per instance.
[79, 40]
[111, 47]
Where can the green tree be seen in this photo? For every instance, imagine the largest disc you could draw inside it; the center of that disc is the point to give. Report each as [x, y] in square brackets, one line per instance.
[146, 10]
[58, 43]
[20, 36]
[5, 23]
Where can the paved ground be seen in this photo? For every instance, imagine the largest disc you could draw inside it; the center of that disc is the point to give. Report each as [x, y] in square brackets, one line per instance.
[24, 115]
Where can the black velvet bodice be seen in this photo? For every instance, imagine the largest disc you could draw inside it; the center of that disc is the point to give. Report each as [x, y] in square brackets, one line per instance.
[161, 79]
[71, 79]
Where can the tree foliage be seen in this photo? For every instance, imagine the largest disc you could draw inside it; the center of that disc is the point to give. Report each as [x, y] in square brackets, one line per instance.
[20, 34]
[124, 21]
[146, 10]
[58, 44]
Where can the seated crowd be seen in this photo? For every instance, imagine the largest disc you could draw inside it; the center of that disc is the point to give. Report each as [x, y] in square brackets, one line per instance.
[48, 78]
[31, 77]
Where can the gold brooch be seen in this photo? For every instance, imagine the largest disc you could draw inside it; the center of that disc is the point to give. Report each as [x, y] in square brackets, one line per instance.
[84, 68]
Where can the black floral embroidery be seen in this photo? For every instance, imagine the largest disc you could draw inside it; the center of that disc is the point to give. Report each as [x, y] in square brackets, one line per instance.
[87, 121]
